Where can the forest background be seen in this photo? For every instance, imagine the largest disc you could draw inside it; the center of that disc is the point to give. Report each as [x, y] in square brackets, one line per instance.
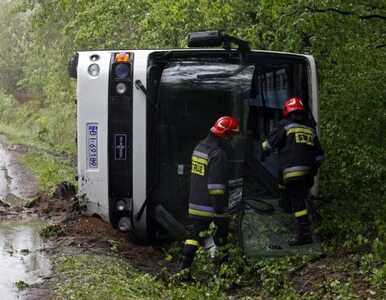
[347, 39]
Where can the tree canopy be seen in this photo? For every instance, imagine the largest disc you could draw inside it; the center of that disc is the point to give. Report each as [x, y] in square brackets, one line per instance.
[347, 39]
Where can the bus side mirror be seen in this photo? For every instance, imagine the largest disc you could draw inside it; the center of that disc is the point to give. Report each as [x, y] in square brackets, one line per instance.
[72, 66]
[205, 39]
[216, 39]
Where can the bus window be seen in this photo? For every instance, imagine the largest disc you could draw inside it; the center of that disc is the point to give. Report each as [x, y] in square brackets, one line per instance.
[192, 96]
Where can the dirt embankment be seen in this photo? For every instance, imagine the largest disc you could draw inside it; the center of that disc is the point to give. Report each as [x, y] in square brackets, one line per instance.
[71, 233]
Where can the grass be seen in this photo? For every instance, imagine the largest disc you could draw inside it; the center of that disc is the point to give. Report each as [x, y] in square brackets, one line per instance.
[50, 171]
[21, 285]
[51, 165]
[14, 135]
[102, 277]
[51, 231]
[109, 277]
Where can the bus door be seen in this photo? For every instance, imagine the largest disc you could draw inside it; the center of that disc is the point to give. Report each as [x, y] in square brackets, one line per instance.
[264, 226]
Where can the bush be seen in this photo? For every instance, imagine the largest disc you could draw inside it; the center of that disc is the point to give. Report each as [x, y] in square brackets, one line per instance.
[8, 109]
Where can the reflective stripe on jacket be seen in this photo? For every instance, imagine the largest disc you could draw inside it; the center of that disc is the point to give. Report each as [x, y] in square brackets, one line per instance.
[209, 179]
[298, 146]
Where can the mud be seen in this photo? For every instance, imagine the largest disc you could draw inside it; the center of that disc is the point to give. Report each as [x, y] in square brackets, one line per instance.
[341, 268]
[82, 234]
[79, 234]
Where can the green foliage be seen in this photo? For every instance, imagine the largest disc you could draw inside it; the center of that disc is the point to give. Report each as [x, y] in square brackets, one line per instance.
[95, 277]
[102, 277]
[230, 271]
[175, 20]
[348, 41]
[7, 107]
[373, 265]
[31, 203]
[114, 245]
[14, 40]
[51, 231]
[335, 289]
[21, 285]
[49, 170]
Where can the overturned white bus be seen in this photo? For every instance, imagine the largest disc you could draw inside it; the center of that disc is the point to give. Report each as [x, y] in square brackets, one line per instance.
[141, 112]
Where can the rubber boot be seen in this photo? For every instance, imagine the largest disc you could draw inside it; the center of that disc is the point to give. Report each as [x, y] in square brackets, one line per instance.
[303, 237]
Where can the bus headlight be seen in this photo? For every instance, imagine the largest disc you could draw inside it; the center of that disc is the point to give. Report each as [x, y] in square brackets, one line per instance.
[121, 88]
[94, 70]
[122, 70]
[124, 224]
[120, 205]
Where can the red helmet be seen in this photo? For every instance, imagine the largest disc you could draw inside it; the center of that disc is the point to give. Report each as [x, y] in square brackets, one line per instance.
[292, 104]
[226, 127]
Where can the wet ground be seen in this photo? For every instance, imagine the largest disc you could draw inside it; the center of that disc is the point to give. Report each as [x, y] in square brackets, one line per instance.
[17, 184]
[22, 260]
[26, 259]
[27, 262]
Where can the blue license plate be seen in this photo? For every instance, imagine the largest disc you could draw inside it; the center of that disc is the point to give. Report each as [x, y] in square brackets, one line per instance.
[92, 146]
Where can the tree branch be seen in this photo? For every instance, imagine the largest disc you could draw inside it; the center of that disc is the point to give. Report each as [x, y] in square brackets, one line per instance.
[372, 17]
[346, 13]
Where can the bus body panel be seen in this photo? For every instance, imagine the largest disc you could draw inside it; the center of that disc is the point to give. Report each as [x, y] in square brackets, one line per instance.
[139, 143]
[92, 110]
[315, 106]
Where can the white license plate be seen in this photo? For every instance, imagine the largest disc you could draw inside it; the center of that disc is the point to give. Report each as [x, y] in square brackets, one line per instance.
[92, 146]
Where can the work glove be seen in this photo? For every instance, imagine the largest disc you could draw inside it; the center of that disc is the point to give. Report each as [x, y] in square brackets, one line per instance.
[263, 153]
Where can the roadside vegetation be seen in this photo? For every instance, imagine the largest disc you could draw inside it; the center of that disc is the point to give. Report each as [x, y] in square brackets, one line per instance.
[347, 39]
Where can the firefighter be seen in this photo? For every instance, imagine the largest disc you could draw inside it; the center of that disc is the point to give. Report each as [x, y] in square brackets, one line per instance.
[300, 156]
[208, 200]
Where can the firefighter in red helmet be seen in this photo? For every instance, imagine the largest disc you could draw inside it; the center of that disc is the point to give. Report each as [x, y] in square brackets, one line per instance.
[300, 156]
[208, 200]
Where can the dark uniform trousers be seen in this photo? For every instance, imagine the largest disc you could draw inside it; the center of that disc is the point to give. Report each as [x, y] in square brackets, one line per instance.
[293, 195]
[208, 196]
[300, 156]
[293, 198]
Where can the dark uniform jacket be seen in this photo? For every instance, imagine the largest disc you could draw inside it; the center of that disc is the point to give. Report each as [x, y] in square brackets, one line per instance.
[209, 179]
[299, 149]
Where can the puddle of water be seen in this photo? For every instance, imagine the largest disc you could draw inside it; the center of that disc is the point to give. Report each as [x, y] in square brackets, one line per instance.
[20, 242]
[14, 177]
[3, 176]
[20, 256]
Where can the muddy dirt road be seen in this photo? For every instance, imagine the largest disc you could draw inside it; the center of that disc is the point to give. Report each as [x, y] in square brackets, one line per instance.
[27, 261]
[21, 258]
